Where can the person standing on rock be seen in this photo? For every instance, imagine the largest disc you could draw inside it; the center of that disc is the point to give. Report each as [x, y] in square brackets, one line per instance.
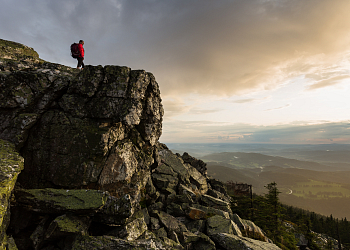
[80, 58]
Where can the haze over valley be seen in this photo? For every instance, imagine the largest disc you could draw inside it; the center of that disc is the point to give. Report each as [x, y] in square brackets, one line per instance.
[312, 177]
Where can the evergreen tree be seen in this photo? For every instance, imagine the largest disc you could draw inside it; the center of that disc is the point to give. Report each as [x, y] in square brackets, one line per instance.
[274, 206]
[269, 215]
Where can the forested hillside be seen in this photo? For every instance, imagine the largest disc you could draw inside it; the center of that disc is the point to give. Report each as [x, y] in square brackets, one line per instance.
[288, 225]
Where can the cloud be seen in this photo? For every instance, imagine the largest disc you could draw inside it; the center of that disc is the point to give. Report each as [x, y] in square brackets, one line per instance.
[251, 100]
[293, 133]
[204, 48]
[204, 111]
[313, 134]
[207, 47]
[282, 107]
[175, 107]
[243, 45]
[247, 100]
[328, 82]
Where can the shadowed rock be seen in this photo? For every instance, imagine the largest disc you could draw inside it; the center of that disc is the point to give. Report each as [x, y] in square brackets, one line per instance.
[233, 242]
[57, 200]
[218, 224]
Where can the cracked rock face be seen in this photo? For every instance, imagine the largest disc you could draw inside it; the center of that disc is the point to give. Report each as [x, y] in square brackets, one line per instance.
[95, 128]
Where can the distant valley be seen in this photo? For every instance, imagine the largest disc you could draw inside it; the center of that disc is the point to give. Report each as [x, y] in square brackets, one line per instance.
[257, 160]
[316, 179]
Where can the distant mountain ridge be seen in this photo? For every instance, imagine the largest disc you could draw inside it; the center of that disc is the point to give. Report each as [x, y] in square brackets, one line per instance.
[333, 155]
[257, 160]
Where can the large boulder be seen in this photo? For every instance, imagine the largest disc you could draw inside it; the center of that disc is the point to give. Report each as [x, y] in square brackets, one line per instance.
[200, 165]
[217, 224]
[187, 174]
[165, 179]
[59, 200]
[115, 210]
[133, 228]
[248, 228]
[234, 242]
[67, 225]
[216, 203]
[212, 211]
[95, 129]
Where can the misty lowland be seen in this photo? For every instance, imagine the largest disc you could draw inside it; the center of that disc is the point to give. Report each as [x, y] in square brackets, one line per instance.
[312, 177]
[82, 167]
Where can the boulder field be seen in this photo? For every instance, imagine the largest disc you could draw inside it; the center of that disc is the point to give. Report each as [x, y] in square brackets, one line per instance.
[82, 166]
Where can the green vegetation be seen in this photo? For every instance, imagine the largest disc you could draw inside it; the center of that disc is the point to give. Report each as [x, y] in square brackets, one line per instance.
[335, 228]
[266, 212]
[319, 190]
[281, 222]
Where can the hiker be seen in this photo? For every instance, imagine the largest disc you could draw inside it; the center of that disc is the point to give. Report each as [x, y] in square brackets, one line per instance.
[77, 51]
[81, 55]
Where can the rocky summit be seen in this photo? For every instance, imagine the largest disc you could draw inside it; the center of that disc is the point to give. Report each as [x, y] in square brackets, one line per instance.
[82, 167]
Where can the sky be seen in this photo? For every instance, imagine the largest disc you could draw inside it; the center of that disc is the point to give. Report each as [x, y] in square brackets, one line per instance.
[238, 71]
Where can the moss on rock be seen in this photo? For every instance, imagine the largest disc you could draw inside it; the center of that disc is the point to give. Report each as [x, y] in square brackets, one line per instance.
[11, 165]
[65, 225]
[51, 200]
[15, 50]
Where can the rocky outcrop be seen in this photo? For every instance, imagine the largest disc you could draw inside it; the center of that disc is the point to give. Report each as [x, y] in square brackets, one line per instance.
[92, 129]
[320, 241]
[95, 175]
[325, 241]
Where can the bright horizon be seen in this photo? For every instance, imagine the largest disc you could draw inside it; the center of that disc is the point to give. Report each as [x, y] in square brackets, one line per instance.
[242, 71]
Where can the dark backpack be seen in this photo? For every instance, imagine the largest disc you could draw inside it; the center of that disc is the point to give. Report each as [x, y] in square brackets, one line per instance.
[74, 49]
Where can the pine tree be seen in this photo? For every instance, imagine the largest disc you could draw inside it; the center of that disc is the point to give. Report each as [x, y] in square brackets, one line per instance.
[269, 215]
[274, 207]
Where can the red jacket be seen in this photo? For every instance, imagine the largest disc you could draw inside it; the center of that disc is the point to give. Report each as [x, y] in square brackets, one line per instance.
[81, 50]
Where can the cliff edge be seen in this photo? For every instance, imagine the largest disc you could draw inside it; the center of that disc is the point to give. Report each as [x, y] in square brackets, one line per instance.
[95, 175]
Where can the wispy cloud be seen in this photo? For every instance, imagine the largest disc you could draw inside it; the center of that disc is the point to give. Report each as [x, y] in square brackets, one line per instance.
[251, 100]
[207, 47]
[247, 100]
[282, 107]
[204, 111]
[328, 82]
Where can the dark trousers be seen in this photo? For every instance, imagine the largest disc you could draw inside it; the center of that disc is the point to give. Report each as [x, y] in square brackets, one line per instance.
[80, 62]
